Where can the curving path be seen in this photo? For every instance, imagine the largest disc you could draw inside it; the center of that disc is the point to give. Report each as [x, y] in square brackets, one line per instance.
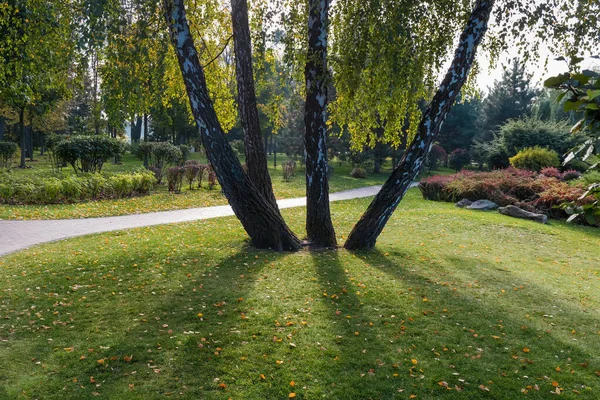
[19, 235]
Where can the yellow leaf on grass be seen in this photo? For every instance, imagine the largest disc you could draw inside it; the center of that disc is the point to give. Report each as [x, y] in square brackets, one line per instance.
[292, 395]
[414, 361]
[262, 376]
[292, 383]
[526, 350]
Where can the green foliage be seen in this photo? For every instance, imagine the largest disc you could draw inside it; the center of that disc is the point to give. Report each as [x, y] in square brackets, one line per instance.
[518, 134]
[458, 159]
[185, 153]
[160, 156]
[16, 189]
[583, 91]
[7, 153]
[378, 80]
[88, 153]
[509, 98]
[535, 158]
[239, 147]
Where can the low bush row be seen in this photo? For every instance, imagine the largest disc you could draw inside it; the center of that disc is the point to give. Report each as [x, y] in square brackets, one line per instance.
[528, 190]
[16, 189]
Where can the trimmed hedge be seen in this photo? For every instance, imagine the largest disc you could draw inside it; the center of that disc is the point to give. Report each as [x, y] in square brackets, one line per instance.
[525, 189]
[73, 189]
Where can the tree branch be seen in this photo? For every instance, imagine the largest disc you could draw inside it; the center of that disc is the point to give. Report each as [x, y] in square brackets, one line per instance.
[221, 52]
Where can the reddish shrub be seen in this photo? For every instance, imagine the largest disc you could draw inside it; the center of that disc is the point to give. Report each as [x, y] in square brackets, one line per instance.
[524, 189]
[551, 172]
[570, 175]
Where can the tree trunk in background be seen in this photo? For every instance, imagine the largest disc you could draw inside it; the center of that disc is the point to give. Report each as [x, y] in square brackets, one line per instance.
[256, 158]
[22, 134]
[319, 228]
[29, 135]
[136, 129]
[365, 232]
[262, 222]
[2, 127]
[145, 138]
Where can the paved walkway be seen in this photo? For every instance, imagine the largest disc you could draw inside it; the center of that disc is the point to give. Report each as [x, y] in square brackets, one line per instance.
[19, 235]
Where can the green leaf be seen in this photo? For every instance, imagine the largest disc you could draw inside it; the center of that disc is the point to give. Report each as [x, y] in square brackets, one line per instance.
[592, 94]
[581, 78]
[556, 81]
[592, 106]
[576, 60]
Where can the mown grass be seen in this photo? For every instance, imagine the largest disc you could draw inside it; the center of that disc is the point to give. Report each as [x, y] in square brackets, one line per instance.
[162, 200]
[451, 304]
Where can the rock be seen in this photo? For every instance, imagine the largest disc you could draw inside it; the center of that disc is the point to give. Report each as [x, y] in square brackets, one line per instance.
[514, 211]
[464, 203]
[483, 205]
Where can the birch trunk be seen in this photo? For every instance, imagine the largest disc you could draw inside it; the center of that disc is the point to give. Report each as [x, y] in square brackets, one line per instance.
[262, 222]
[319, 227]
[367, 230]
[256, 159]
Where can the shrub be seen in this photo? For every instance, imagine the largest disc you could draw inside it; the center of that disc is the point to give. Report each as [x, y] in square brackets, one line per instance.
[591, 177]
[175, 179]
[143, 150]
[87, 153]
[570, 175]
[52, 142]
[192, 168]
[535, 159]
[7, 153]
[522, 188]
[203, 167]
[212, 178]
[551, 172]
[51, 190]
[239, 147]
[437, 156]
[289, 170]
[359, 173]
[519, 134]
[458, 159]
[160, 156]
[185, 153]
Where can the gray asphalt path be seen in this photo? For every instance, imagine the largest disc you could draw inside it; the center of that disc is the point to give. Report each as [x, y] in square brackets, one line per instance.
[19, 235]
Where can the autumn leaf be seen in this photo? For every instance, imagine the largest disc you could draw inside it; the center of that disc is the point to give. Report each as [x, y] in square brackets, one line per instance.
[128, 358]
[262, 376]
[292, 383]
[292, 395]
[222, 385]
[526, 350]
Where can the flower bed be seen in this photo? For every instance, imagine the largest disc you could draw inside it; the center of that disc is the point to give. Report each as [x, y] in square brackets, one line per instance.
[525, 189]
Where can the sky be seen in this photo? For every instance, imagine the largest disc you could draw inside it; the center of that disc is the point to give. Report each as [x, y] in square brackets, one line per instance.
[535, 68]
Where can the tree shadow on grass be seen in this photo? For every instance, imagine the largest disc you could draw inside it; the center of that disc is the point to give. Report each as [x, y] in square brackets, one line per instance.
[365, 357]
[489, 325]
[170, 340]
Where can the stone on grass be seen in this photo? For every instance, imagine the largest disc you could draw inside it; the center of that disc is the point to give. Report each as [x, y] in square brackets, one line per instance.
[464, 203]
[514, 211]
[483, 205]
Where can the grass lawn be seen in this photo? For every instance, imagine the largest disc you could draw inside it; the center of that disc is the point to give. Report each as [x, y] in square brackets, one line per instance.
[162, 200]
[452, 304]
